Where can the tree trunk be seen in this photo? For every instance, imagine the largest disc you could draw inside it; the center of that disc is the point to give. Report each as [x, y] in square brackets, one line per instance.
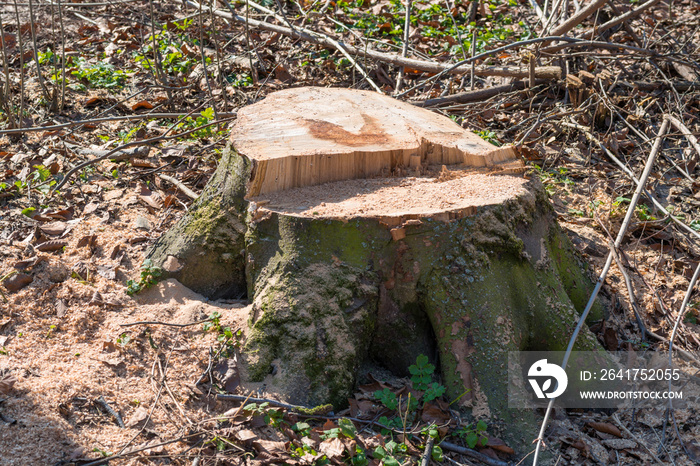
[456, 263]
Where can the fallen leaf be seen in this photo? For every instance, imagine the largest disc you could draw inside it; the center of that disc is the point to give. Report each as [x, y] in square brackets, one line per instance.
[6, 383]
[87, 240]
[138, 417]
[17, 282]
[333, 448]
[27, 263]
[605, 427]
[142, 105]
[433, 413]
[61, 308]
[150, 198]
[90, 208]
[106, 271]
[52, 245]
[246, 435]
[54, 228]
[270, 446]
[499, 445]
[229, 373]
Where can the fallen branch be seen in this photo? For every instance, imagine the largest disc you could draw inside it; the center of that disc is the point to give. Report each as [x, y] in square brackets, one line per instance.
[141, 151]
[620, 19]
[179, 185]
[543, 72]
[472, 96]
[80, 166]
[678, 124]
[578, 18]
[140, 116]
[472, 454]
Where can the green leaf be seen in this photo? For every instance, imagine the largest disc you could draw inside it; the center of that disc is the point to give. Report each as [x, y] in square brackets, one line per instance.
[421, 360]
[28, 211]
[379, 452]
[347, 427]
[481, 426]
[390, 461]
[437, 454]
[472, 438]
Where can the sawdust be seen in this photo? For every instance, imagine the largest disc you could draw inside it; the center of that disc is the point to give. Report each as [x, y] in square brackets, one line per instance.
[63, 341]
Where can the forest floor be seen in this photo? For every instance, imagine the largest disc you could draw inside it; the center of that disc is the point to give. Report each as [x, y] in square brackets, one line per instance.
[91, 373]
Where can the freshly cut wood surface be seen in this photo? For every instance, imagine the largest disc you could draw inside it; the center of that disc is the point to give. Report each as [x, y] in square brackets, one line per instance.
[309, 136]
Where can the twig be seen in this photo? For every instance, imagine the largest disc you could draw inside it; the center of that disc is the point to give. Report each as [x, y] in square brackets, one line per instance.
[140, 151]
[603, 274]
[278, 404]
[621, 18]
[180, 185]
[80, 166]
[425, 460]
[104, 405]
[473, 454]
[678, 124]
[578, 18]
[140, 116]
[636, 439]
[472, 96]
[404, 50]
[156, 322]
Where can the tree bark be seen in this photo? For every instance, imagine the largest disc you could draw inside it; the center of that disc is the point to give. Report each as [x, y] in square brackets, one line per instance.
[335, 289]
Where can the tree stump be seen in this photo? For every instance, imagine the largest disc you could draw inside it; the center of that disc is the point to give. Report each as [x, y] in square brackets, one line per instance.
[365, 229]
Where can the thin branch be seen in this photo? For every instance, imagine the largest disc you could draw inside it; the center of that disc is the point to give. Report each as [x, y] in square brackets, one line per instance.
[599, 283]
[180, 185]
[140, 116]
[80, 166]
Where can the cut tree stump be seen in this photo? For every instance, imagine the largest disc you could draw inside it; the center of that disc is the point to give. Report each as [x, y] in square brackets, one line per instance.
[365, 229]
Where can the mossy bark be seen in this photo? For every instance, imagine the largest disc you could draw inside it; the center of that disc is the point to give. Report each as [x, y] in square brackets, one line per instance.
[328, 294]
[205, 249]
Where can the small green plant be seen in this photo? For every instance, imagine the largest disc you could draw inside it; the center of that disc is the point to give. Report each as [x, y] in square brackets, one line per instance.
[474, 435]
[489, 136]
[149, 276]
[123, 339]
[421, 373]
[214, 322]
[205, 116]
[643, 213]
[99, 74]
[387, 398]
[271, 416]
[50, 333]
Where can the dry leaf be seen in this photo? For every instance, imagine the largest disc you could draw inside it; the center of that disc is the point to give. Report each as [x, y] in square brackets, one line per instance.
[17, 282]
[229, 374]
[6, 383]
[27, 263]
[139, 416]
[87, 240]
[148, 197]
[143, 105]
[606, 428]
[54, 228]
[52, 245]
[333, 448]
